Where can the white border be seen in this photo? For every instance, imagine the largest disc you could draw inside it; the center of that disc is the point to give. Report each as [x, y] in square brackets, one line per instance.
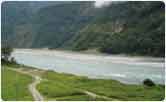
[1, 1]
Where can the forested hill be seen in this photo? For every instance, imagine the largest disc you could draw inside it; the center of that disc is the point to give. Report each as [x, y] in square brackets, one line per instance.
[122, 27]
[130, 27]
[43, 24]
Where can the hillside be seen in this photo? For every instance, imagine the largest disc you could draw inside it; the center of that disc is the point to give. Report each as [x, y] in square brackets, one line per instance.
[129, 27]
[57, 24]
[122, 27]
[17, 23]
[43, 24]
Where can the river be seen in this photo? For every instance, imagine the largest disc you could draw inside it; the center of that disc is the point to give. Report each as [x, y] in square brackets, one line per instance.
[130, 70]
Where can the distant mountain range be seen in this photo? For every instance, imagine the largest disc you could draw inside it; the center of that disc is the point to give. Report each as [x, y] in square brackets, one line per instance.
[122, 27]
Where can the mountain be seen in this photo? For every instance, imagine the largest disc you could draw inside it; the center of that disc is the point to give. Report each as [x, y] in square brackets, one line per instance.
[128, 27]
[17, 21]
[43, 24]
[12, 15]
[120, 27]
[57, 24]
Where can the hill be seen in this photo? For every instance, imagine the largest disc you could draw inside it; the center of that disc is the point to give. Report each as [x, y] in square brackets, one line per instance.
[129, 27]
[43, 24]
[121, 27]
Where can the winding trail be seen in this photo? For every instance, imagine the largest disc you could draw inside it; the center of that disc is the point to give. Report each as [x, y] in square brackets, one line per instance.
[37, 79]
[32, 86]
[94, 95]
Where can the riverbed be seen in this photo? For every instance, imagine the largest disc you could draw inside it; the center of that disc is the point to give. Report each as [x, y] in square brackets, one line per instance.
[130, 70]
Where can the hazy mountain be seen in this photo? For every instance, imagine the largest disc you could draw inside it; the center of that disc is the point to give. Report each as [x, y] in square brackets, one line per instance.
[43, 24]
[17, 16]
[120, 27]
[57, 24]
[128, 27]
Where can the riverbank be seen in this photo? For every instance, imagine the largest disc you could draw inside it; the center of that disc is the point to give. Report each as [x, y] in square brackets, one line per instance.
[61, 86]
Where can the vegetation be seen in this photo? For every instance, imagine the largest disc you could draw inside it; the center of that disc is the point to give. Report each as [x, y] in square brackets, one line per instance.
[61, 86]
[57, 86]
[75, 98]
[46, 24]
[59, 89]
[5, 53]
[148, 82]
[14, 85]
[137, 28]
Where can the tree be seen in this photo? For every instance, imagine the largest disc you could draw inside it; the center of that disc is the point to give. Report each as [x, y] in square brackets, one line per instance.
[6, 53]
[148, 82]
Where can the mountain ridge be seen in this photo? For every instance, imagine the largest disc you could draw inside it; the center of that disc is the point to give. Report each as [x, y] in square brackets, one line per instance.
[81, 26]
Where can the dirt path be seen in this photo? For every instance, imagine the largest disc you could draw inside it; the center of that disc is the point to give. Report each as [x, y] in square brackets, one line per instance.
[37, 79]
[32, 86]
[94, 95]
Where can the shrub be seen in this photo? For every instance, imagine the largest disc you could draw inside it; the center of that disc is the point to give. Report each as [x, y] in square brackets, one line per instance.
[148, 82]
[6, 53]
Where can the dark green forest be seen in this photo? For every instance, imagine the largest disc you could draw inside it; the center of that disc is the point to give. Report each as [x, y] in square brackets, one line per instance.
[135, 27]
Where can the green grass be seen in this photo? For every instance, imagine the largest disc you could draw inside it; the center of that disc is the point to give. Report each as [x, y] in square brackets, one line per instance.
[64, 87]
[59, 89]
[14, 85]
[121, 91]
[75, 98]
[62, 91]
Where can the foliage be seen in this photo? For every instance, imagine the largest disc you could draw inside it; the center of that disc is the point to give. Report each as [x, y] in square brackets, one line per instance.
[5, 53]
[124, 27]
[137, 28]
[43, 26]
[148, 82]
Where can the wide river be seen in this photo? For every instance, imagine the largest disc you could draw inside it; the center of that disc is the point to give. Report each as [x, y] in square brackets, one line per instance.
[131, 70]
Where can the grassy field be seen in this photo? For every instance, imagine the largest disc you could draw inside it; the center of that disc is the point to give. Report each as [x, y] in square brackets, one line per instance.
[62, 86]
[67, 87]
[14, 85]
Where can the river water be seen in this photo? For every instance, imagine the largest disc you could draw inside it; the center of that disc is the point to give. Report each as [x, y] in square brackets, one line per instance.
[130, 70]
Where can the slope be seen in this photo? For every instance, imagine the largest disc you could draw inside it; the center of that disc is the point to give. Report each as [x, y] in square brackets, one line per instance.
[128, 27]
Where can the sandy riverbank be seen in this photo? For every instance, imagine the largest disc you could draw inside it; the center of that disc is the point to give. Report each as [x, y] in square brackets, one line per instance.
[140, 60]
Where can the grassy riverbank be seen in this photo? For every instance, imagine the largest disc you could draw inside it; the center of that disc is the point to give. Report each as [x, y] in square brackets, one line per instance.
[61, 86]
[14, 85]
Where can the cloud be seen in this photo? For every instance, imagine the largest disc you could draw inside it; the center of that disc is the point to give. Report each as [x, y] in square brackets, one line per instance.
[101, 3]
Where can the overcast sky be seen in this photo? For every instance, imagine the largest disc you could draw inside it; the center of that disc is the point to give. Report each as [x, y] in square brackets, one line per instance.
[100, 3]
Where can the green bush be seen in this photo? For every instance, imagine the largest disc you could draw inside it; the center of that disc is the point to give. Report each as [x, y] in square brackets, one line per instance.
[148, 82]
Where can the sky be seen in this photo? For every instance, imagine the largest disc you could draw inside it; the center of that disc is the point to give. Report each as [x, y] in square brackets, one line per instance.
[101, 3]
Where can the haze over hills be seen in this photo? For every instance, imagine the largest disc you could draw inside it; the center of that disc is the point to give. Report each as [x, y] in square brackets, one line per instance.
[120, 27]
[48, 26]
